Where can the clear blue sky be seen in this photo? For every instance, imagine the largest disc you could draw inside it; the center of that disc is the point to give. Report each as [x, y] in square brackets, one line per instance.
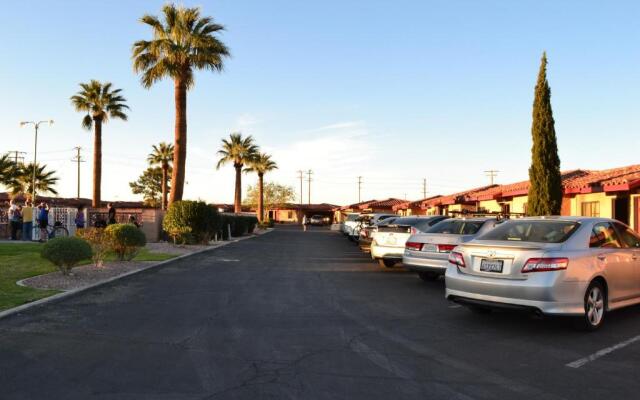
[392, 91]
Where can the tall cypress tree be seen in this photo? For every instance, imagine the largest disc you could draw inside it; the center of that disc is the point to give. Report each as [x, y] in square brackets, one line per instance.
[545, 190]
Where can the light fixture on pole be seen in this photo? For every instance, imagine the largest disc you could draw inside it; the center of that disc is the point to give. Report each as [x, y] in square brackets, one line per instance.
[36, 125]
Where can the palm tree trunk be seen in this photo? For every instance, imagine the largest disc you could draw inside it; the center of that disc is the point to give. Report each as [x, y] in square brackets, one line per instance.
[97, 162]
[237, 202]
[180, 146]
[164, 186]
[261, 197]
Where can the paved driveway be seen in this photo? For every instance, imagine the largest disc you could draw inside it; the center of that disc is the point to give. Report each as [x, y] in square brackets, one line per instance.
[301, 315]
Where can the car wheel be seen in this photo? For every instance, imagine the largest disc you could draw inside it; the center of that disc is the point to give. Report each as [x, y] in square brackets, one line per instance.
[594, 306]
[428, 276]
[386, 263]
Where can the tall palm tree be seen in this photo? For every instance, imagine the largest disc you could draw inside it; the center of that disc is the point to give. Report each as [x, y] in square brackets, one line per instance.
[182, 43]
[162, 155]
[239, 151]
[100, 102]
[23, 182]
[261, 163]
[8, 169]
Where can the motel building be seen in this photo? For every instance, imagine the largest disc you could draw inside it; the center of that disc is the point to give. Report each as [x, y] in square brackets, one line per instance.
[611, 193]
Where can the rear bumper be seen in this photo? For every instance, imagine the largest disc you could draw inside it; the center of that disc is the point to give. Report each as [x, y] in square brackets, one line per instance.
[386, 252]
[424, 264]
[546, 292]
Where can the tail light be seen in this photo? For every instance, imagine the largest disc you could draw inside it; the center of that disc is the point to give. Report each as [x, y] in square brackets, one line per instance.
[445, 248]
[413, 246]
[545, 264]
[456, 258]
[413, 231]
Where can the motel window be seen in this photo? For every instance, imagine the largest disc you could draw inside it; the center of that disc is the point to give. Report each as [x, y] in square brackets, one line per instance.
[289, 214]
[590, 209]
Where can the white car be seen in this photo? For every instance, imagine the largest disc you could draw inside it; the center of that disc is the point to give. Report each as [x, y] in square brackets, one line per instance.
[387, 245]
[428, 253]
[349, 224]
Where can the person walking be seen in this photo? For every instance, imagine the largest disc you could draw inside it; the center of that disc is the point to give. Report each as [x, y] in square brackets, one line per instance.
[112, 214]
[80, 220]
[43, 221]
[27, 221]
[14, 219]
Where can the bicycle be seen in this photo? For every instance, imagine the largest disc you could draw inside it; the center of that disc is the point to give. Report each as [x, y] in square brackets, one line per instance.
[53, 231]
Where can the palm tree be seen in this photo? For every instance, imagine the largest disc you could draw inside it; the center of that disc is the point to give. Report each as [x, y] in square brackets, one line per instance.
[7, 171]
[100, 103]
[182, 43]
[261, 163]
[23, 182]
[239, 151]
[162, 155]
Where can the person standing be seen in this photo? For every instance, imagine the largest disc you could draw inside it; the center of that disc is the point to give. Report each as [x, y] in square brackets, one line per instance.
[112, 214]
[27, 220]
[43, 221]
[80, 220]
[14, 219]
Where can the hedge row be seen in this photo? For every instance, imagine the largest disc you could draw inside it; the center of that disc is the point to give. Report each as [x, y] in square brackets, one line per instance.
[198, 222]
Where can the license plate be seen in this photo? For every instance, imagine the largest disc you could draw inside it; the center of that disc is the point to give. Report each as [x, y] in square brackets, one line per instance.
[491, 265]
[429, 247]
[391, 240]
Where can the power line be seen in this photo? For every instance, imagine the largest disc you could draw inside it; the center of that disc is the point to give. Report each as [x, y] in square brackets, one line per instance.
[78, 159]
[18, 156]
[492, 173]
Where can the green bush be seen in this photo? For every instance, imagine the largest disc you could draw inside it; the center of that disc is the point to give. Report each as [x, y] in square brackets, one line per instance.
[66, 252]
[240, 225]
[192, 222]
[97, 239]
[125, 240]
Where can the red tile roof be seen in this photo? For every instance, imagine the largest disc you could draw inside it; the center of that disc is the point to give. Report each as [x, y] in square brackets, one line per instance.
[388, 203]
[622, 178]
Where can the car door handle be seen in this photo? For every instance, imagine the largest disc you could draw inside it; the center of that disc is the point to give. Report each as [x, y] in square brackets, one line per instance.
[602, 257]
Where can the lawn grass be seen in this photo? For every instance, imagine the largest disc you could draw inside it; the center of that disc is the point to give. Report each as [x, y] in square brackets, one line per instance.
[22, 260]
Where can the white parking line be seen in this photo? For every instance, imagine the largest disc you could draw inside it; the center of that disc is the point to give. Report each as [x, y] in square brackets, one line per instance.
[600, 353]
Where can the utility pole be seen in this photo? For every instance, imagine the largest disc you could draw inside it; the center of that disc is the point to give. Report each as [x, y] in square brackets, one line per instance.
[424, 188]
[36, 126]
[18, 156]
[301, 177]
[359, 187]
[309, 173]
[492, 173]
[78, 159]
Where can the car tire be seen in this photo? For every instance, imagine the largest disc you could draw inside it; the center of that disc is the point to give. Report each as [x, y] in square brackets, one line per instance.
[428, 276]
[595, 301]
[386, 263]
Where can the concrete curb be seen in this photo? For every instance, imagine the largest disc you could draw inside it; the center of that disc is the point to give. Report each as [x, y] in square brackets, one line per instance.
[70, 293]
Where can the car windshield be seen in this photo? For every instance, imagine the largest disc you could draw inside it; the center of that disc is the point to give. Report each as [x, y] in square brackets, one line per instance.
[532, 231]
[457, 227]
[352, 217]
[387, 221]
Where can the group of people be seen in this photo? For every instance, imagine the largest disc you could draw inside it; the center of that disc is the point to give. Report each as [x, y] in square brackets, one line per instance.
[20, 219]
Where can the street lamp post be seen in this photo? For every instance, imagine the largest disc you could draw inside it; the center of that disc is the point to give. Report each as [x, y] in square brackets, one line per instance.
[36, 125]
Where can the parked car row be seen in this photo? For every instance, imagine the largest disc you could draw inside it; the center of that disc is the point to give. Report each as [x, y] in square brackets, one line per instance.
[568, 266]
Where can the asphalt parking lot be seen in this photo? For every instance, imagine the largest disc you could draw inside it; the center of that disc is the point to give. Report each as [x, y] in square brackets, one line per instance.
[303, 315]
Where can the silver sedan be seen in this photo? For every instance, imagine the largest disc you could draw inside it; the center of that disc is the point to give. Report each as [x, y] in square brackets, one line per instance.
[428, 253]
[576, 266]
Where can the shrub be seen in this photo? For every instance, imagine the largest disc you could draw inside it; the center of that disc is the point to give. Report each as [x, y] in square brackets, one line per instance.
[66, 252]
[99, 243]
[191, 221]
[125, 240]
[240, 225]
